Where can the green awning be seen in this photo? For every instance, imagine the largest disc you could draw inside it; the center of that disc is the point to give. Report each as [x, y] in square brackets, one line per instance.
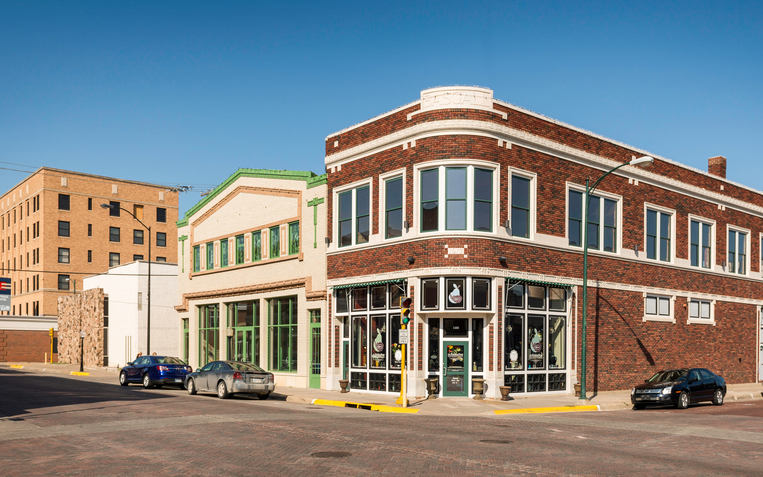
[538, 282]
[378, 282]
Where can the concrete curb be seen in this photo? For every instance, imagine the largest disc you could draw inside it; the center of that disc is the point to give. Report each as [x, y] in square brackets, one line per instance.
[366, 406]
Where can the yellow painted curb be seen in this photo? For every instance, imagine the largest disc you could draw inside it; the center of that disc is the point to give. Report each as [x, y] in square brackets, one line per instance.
[369, 407]
[17, 366]
[77, 373]
[538, 410]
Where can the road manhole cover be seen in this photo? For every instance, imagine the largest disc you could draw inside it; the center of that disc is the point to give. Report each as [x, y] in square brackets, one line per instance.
[494, 441]
[329, 455]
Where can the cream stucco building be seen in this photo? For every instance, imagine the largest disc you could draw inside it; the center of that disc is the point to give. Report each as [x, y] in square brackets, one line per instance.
[252, 269]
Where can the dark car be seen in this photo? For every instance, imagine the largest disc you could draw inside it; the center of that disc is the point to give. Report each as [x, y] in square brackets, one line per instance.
[680, 387]
[227, 378]
[155, 371]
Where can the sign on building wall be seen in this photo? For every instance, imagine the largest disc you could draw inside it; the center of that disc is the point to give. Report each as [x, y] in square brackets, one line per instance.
[5, 294]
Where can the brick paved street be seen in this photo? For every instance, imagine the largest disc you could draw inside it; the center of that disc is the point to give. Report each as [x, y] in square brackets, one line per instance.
[52, 425]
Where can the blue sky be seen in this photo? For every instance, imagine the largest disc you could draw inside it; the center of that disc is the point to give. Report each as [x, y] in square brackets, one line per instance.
[185, 93]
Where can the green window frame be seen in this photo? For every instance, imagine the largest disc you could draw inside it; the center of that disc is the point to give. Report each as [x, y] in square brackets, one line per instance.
[244, 319]
[658, 235]
[239, 249]
[483, 200]
[223, 253]
[275, 242]
[455, 198]
[345, 218]
[737, 252]
[186, 343]
[575, 219]
[430, 200]
[362, 214]
[196, 258]
[256, 246]
[210, 255]
[293, 238]
[282, 334]
[393, 207]
[700, 243]
[209, 333]
[520, 206]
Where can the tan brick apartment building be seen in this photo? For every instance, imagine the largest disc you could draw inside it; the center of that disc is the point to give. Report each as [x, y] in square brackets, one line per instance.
[53, 233]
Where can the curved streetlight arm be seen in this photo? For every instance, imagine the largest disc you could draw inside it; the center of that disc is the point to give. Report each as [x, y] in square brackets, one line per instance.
[109, 206]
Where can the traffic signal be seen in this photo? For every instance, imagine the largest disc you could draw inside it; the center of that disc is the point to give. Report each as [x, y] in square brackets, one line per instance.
[405, 309]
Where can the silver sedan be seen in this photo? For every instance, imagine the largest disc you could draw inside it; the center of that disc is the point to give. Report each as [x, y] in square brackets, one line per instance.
[227, 378]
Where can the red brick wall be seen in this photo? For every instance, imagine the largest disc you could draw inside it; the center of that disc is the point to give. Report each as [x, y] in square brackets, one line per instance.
[25, 346]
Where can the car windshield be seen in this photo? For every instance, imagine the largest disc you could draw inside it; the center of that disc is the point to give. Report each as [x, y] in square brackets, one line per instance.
[237, 366]
[168, 360]
[668, 376]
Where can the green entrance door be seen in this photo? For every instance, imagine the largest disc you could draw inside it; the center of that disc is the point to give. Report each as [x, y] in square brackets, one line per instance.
[345, 360]
[455, 372]
[315, 355]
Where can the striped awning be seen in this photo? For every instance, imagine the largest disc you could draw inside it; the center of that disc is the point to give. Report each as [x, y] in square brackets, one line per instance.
[367, 284]
[538, 282]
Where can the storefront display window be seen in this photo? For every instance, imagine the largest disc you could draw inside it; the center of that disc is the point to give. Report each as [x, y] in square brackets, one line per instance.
[514, 348]
[282, 334]
[395, 348]
[481, 293]
[477, 345]
[434, 344]
[430, 294]
[536, 332]
[379, 342]
[556, 341]
[209, 329]
[359, 341]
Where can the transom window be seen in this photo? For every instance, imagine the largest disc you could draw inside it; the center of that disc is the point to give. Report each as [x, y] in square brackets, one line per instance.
[700, 243]
[354, 216]
[466, 193]
[602, 221]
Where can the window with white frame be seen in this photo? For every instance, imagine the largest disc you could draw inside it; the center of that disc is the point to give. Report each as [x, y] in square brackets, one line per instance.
[659, 226]
[354, 216]
[700, 310]
[521, 213]
[603, 219]
[700, 243]
[737, 251]
[658, 307]
[393, 207]
[458, 197]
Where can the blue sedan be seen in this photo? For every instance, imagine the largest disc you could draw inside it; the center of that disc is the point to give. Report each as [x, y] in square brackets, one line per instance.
[155, 371]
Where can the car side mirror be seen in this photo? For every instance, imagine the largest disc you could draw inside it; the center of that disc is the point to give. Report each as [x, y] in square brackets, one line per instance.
[693, 380]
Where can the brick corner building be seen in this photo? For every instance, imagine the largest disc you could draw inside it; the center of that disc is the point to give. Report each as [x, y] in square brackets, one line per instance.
[474, 207]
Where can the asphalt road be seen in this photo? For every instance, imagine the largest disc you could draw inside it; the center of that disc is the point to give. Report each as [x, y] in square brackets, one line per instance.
[55, 425]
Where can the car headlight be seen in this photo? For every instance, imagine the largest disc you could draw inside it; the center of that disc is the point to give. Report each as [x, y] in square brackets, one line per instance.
[667, 390]
[633, 391]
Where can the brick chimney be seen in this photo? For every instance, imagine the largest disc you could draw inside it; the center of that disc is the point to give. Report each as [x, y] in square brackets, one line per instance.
[717, 166]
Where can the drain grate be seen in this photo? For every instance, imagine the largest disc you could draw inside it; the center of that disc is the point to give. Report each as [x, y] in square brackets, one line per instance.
[495, 441]
[330, 455]
[314, 407]
[358, 406]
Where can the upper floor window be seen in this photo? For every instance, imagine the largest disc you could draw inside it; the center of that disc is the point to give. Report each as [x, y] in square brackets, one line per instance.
[210, 255]
[161, 214]
[63, 255]
[275, 242]
[737, 246]
[256, 246]
[456, 198]
[114, 234]
[63, 282]
[602, 221]
[658, 308]
[90, 203]
[114, 210]
[63, 228]
[354, 216]
[196, 258]
[658, 235]
[293, 239]
[113, 259]
[520, 206]
[161, 239]
[137, 211]
[63, 201]
[700, 243]
[224, 252]
[393, 207]
[239, 249]
[137, 237]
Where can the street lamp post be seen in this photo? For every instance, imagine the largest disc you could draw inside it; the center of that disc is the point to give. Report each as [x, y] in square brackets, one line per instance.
[588, 190]
[74, 285]
[148, 295]
[81, 350]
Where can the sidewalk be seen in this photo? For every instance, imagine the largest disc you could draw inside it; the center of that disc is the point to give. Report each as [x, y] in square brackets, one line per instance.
[604, 401]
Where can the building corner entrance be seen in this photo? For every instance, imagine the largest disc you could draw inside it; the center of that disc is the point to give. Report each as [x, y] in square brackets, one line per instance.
[455, 370]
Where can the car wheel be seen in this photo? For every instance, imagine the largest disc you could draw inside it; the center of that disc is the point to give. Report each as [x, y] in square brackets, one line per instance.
[191, 387]
[123, 379]
[222, 390]
[683, 400]
[639, 406]
[147, 381]
[718, 397]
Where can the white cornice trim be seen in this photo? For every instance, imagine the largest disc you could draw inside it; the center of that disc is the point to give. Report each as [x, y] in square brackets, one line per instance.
[531, 141]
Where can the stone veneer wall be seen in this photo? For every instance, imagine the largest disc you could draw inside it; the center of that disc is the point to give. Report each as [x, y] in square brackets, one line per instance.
[83, 311]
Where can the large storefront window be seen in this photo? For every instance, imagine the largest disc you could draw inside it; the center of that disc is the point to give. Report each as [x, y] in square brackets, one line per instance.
[244, 319]
[375, 356]
[209, 333]
[535, 338]
[282, 334]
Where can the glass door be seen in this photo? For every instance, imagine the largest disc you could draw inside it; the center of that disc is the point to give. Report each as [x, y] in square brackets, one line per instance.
[455, 368]
[315, 349]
